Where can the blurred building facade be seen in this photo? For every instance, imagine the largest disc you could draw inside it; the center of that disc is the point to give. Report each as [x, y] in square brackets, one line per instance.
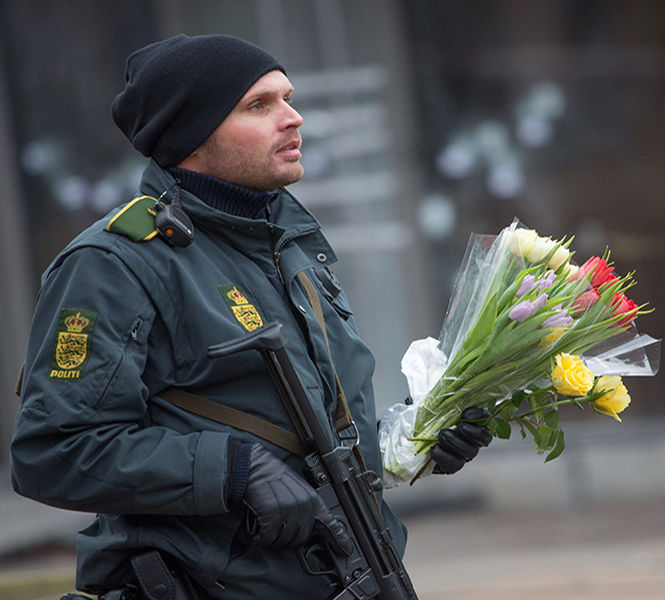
[424, 121]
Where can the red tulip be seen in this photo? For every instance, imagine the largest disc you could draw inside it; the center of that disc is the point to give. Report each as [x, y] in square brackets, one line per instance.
[584, 301]
[601, 273]
[621, 305]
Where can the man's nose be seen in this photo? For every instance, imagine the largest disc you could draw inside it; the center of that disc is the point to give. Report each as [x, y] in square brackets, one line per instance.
[291, 117]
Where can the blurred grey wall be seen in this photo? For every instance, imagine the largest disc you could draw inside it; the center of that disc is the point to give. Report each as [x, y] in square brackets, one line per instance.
[425, 121]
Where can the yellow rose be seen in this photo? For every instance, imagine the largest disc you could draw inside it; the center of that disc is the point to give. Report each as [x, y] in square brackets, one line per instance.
[552, 337]
[570, 376]
[615, 399]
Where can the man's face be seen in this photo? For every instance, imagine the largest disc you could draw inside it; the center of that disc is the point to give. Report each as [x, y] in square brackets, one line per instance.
[258, 144]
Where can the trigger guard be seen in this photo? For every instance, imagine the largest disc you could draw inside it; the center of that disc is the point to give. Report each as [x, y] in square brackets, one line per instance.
[307, 551]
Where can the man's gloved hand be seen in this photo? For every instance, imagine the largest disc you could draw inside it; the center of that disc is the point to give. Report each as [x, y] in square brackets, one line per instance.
[459, 445]
[286, 510]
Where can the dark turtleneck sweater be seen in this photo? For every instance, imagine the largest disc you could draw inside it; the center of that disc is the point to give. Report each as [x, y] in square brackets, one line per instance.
[222, 195]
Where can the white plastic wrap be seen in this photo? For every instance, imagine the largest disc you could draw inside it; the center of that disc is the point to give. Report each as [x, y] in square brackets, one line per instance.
[423, 364]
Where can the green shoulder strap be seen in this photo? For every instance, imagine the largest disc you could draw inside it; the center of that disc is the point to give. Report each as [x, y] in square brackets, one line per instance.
[221, 413]
[343, 418]
[136, 220]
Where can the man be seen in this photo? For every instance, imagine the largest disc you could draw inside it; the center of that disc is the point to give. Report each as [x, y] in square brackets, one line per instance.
[211, 249]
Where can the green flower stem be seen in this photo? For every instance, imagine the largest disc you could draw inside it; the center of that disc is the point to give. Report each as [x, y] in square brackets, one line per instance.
[551, 405]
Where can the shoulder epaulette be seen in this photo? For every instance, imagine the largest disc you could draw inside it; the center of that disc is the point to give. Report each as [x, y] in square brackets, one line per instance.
[136, 220]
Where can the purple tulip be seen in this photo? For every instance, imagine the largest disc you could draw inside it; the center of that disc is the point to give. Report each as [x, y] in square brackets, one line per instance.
[540, 301]
[560, 319]
[521, 311]
[526, 285]
[547, 281]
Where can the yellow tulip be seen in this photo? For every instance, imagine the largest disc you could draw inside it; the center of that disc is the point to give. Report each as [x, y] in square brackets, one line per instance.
[552, 337]
[615, 399]
[560, 256]
[570, 376]
[521, 241]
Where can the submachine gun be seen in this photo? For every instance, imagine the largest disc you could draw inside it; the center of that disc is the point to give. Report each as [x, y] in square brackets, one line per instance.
[373, 568]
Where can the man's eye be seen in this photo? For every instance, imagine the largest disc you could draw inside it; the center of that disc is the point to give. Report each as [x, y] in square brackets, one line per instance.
[257, 106]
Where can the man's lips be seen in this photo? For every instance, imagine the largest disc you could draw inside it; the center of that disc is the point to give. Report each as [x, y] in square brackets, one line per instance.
[290, 149]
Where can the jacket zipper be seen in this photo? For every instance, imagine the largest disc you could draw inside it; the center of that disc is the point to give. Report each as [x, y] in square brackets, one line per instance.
[287, 240]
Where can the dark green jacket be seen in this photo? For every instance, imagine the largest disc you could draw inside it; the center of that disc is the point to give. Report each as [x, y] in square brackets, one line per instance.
[117, 322]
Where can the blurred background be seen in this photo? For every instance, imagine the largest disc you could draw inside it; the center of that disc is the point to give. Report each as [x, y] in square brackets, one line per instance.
[425, 120]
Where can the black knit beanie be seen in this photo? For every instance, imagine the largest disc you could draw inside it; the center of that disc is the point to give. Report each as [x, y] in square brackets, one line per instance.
[179, 90]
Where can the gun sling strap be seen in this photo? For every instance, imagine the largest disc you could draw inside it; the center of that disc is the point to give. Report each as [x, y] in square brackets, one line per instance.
[239, 419]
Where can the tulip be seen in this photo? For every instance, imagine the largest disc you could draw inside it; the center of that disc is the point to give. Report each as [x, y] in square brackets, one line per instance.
[571, 271]
[540, 301]
[621, 305]
[540, 249]
[527, 283]
[552, 337]
[560, 256]
[560, 319]
[585, 301]
[521, 311]
[547, 281]
[600, 272]
[520, 241]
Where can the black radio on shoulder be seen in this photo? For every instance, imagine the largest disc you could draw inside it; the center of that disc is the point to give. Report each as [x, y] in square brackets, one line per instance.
[172, 222]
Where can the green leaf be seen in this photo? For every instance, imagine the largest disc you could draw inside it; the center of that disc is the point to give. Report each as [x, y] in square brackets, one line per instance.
[500, 428]
[559, 446]
[532, 429]
[507, 411]
[543, 439]
[517, 398]
[484, 325]
[552, 419]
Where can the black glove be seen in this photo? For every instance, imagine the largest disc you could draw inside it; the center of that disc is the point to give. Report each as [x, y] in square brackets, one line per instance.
[459, 445]
[285, 510]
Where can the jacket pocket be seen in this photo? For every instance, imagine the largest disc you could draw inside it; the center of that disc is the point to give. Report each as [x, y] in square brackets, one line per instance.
[133, 337]
[330, 288]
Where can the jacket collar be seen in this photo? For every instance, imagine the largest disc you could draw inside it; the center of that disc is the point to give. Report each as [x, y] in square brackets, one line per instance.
[287, 218]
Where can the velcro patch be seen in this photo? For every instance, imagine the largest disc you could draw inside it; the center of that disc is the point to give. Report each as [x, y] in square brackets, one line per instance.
[236, 299]
[72, 344]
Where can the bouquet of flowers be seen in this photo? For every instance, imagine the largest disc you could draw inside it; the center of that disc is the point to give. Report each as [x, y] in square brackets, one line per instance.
[526, 332]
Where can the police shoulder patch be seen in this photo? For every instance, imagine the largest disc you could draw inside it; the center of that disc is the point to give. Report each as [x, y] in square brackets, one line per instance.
[136, 220]
[237, 301]
[72, 345]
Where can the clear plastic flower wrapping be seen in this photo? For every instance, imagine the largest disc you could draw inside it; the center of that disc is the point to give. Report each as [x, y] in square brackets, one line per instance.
[629, 353]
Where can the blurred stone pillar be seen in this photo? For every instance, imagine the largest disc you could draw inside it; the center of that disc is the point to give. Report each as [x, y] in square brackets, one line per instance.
[17, 300]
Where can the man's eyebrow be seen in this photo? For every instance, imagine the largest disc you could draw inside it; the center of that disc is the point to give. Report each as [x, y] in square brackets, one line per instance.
[258, 94]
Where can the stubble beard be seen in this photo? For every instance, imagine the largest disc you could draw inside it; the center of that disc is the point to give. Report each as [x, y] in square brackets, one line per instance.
[248, 170]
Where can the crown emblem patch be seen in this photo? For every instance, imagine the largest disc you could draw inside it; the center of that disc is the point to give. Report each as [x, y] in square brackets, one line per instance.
[245, 313]
[72, 345]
